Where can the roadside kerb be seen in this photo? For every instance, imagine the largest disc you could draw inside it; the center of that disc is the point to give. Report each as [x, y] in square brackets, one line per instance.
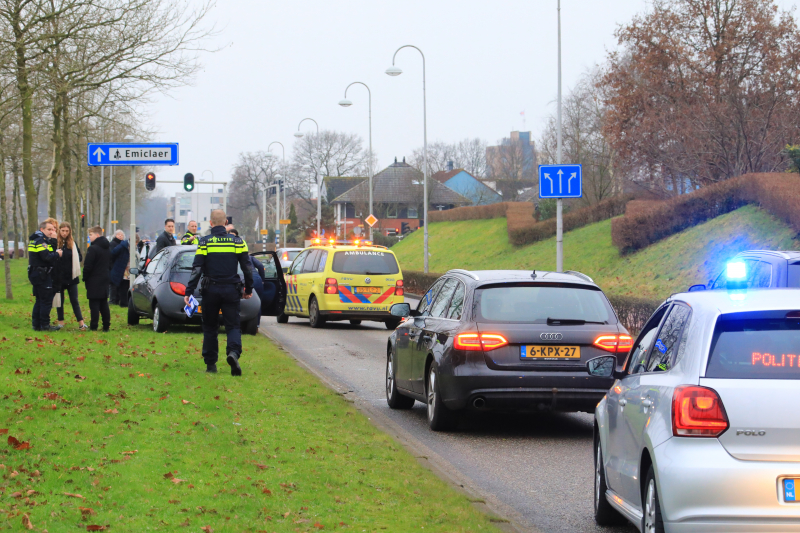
[502, 515]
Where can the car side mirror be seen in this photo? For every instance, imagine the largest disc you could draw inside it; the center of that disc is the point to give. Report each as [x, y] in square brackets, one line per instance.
[602, 367]
[134, 271]
[699, 287]
[402, 310]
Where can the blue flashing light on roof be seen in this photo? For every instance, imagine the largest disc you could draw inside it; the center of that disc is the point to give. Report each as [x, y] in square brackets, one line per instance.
[736, 271]
[738, 296]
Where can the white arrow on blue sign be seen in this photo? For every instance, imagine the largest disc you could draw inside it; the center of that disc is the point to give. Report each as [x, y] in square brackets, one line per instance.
[560, 181]
[132, 154]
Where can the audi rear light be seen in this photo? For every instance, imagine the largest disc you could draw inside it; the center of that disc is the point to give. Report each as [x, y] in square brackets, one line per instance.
[614, 343]
[178, 288]
[479, 341]
[698, 412]
[331, 286]
[398, 288]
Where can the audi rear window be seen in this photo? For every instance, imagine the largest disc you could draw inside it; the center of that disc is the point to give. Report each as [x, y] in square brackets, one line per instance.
[755, 347]
[365, 262]
[554, 304]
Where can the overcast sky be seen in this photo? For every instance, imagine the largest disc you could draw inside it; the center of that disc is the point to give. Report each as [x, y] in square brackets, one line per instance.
[284, 61]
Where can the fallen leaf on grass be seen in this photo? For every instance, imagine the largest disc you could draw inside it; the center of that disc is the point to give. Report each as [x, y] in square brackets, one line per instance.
[51, 395]
[178, 480]
[81, 358]
[16, 495]
[207, 529]
[17, 444]
[87, 511]
[30, 491]
[174, 501]
[168, 475]
[112, 411]
[267, 491]
[318, 525]
[74, 495]
[184, 524]
[26, 521]
[96, 528]
[3, 431]
[79, 377]
[262, 467]
[185, 402]
[286, 514]
[129, 452]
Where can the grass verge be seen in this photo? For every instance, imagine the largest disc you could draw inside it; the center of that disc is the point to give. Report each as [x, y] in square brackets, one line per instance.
[668, 266]
[125, 431]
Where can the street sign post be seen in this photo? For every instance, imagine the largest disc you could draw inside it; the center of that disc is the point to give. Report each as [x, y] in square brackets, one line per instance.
[135, 155]
[560, 181]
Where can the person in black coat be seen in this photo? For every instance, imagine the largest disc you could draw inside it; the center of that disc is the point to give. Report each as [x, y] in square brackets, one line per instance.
[96, 277]
[166, 238]
[65, 278]
[120, 256]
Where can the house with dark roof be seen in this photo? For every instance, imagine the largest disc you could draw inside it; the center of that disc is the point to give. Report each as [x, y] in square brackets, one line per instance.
[397, 193]
[467, 185]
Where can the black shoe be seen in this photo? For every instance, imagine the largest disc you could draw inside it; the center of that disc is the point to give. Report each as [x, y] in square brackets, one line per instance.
[50, 328]
[233, 360]
[211, 369]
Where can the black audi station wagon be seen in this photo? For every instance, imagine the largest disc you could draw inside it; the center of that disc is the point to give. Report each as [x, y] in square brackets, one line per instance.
[502, 340]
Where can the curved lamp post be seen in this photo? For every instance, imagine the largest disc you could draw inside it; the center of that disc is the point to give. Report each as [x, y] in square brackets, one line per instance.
[347, 103]
[299, 134]
[396, 71]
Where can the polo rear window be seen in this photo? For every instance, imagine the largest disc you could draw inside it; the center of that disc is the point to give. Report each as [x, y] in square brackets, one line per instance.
[365, 262]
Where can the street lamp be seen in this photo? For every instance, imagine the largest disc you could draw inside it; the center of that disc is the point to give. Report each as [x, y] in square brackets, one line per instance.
[396, 71]
[270, 154]
[347, 103]
[299, 134]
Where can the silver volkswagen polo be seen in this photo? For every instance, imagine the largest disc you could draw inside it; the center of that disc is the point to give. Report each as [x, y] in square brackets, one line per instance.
[701, 430]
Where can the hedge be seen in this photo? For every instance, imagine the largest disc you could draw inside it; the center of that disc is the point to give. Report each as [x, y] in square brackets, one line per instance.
[632, 312]
[648, 222]
[475, 212]
[523, 229]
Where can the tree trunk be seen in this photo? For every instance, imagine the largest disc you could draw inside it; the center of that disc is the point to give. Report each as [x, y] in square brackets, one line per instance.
[23, 218]
[66, 165]
[14, 214]
[26, 103]
[52, 178]
[4, 223]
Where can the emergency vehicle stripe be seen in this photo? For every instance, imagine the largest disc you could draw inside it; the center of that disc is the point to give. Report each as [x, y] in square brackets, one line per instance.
[299, 303]
[363, 297]
[346, 296]
[385, 295]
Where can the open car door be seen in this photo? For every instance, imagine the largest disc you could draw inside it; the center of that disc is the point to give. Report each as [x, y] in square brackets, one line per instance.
[273, 295]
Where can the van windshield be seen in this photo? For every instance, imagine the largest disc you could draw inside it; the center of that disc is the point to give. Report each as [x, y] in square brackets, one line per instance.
[365, 262]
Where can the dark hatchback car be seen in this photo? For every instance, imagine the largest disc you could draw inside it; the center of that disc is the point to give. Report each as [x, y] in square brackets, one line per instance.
[504, 340]
[159, 287]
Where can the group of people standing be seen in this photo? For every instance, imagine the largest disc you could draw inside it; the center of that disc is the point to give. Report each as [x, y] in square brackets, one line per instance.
[54, 270]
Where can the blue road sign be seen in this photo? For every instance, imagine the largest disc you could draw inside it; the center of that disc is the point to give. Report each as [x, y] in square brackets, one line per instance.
[560, 181]
[133, 154]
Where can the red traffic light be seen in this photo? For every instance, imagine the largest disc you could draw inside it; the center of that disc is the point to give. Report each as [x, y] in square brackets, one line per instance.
[150, 181]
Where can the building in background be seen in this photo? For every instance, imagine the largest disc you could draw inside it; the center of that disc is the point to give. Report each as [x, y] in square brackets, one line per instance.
[186, 206]
[512, 164]
[467, 185]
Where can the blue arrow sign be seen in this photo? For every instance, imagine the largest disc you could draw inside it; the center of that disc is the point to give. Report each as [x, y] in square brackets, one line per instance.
[133, 154]
[560, 181]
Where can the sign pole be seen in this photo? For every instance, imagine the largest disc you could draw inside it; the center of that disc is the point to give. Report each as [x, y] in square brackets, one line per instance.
[264, 221]
[559, 201]
[277, 213]
[132, 238]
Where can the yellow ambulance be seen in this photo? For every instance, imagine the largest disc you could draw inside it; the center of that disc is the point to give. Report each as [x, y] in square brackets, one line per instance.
[331, 281]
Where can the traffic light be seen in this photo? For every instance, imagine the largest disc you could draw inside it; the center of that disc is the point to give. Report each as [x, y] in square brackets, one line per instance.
[150, 181]
[188, 182]
[404, 228]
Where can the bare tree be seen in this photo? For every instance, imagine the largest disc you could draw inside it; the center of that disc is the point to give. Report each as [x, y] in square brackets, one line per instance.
[469, 154]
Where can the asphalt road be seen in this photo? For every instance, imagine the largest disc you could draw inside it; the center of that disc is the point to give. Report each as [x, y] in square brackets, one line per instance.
[539, 467]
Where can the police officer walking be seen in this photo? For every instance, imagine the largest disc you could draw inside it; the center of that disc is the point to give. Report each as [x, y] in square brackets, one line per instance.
[190, 237]
[41, 260]
[217, 256]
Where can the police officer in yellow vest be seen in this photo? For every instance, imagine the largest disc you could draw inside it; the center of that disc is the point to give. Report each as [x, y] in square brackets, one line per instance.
[41, 260]
[218, 255]
[190, 237]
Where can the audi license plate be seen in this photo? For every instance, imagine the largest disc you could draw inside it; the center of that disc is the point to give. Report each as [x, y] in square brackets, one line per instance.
[549, 352]
[368, 290]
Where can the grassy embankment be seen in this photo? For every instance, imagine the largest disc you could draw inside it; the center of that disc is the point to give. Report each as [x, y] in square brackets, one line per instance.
[126, 430]
[665, 267]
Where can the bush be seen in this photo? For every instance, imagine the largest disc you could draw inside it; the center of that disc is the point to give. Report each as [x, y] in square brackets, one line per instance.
[633, 312]
[418, 282]
[475, 212]
[649, 222]
[384, 240]
[523, 229]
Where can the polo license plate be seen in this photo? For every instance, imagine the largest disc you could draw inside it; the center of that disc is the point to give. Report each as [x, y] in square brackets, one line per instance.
[368, 290]
[536, 351]
[789, 492]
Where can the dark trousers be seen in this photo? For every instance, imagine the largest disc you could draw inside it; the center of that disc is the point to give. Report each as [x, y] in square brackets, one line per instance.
[72, 290]
[40, 318]
[97, 307]
[227, 299]
[113, 294]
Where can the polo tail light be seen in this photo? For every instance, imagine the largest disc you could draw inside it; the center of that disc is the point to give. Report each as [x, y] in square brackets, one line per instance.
[331, 286]
[398, 288]
[698, 412]
[476, 342]
[614, 343]
[178, 288]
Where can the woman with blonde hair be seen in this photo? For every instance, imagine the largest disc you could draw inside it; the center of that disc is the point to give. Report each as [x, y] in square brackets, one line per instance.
[67, 275]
